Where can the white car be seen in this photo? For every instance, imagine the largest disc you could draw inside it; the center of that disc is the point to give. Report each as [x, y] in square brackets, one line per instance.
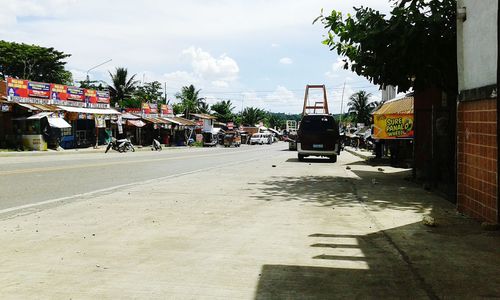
[261, 138]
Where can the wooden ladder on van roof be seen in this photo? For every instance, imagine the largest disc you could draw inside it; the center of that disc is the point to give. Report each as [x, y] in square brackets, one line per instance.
[319, 104]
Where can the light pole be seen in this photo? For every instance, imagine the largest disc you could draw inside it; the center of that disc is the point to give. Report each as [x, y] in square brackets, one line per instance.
[94, 67]
[95, 116]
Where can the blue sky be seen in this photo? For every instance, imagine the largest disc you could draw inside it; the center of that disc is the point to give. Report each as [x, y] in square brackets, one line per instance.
[255, 53]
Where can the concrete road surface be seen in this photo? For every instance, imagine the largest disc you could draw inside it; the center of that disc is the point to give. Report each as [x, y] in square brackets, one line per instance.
[253, 223]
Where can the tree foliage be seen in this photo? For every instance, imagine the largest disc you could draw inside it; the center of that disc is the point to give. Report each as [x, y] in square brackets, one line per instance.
[250, 116]
[413, 47]
[223, 111]
[191, 102]
[149, 92]
[122, 87]
[33, 62]
[360, 107]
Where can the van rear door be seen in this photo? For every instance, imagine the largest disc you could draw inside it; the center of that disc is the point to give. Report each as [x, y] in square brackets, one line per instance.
[318, 132]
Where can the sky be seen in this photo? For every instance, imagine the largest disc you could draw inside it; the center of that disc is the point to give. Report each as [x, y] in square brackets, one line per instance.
[254, 53]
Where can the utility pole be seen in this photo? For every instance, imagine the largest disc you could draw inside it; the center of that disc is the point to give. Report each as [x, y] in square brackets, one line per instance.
[165, 92]
[342, 104]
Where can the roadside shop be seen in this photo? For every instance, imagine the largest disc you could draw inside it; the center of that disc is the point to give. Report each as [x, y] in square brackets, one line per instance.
[393, 130]
[73, 117]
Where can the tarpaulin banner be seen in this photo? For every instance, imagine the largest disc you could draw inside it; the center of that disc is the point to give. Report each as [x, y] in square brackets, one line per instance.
[59, 92]
[90, 96]
[75, 94]
[145, 108]
[393, 126]
[38, 90]
[17, 87]
[167, 110]
[102, 97]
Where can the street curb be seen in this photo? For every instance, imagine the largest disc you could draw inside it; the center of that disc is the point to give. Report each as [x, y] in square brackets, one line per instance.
[365, 157]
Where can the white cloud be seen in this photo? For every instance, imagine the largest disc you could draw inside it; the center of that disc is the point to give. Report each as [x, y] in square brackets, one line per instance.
[280, 100]
[220, 84]
[286, 61]
[208, 67]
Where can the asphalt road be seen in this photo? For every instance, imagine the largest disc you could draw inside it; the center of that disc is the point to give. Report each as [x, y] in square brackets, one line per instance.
[28, 180]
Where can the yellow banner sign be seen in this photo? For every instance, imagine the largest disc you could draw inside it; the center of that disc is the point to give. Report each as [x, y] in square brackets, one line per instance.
[393, 126]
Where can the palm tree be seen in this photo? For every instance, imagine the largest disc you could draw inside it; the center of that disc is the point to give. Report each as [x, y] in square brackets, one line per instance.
[223, 111]
[121, 87]
[360, 107]
[251, 116]
[190, 101]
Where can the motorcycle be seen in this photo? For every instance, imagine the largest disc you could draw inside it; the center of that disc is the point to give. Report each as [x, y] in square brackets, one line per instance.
[121, 145]
[156, 145]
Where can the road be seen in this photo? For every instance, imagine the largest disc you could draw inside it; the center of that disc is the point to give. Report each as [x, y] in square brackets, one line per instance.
[247, 223]
[25, 181]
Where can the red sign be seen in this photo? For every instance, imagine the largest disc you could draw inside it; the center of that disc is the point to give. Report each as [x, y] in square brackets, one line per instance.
[59, 92]
[167, 109]
[199, 122]
[90, 96]
[230, 125]
[17, 87]
[145, 109]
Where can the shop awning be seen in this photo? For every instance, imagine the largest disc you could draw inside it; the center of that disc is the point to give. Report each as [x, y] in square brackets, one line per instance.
[136, 123]
[180, 121]
[204, 116]
[154, 120]
[97, 111]
[397, 106]
[58, 123]
[38, 116]
[129, 116]
[38, 107]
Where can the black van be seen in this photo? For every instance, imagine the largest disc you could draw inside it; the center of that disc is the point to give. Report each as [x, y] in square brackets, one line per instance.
[318, 135]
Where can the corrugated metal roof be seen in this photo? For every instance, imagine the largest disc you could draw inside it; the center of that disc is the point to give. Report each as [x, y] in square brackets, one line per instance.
[398, 106]
[204, 116]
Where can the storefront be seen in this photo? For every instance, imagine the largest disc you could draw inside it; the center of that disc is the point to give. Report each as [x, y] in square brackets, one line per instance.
[86, 113]
[393, 130]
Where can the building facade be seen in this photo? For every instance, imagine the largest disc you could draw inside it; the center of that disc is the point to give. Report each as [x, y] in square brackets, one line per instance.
[477, 116]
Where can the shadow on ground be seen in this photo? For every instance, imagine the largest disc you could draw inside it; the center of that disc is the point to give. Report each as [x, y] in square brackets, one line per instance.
[455, 259]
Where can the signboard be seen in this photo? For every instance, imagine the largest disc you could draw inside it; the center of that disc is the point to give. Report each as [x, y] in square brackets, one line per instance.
[393, 126]
[167, 110]
[75, 94]
[59, 92]
[145, 108]
[17, 87]
[38, 90]
[103, 97]
[230, 125]
[90, 96]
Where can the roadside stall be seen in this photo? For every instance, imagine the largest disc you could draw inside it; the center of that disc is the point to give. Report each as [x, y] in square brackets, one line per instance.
[87, 111]
[394, 129]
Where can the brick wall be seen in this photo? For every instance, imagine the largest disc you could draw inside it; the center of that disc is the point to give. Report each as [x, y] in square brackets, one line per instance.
[477, 160]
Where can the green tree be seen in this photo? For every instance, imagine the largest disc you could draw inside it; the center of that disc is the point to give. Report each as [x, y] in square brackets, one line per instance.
[191, 102]
[93, 85]
[250, 116]
[414, 47]
[33, 62]
[149, 92]
[121, 86]
[223, 111]
[275, 120]
[360, 106]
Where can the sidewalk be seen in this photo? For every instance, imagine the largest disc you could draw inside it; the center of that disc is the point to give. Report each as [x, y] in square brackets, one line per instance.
[280, 229]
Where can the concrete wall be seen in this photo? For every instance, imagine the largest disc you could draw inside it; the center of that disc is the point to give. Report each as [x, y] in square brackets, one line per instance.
[477, 44]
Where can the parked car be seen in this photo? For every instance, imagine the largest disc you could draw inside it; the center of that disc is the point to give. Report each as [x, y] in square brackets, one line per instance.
[261, 138]
[318, 135]
[232, 138]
